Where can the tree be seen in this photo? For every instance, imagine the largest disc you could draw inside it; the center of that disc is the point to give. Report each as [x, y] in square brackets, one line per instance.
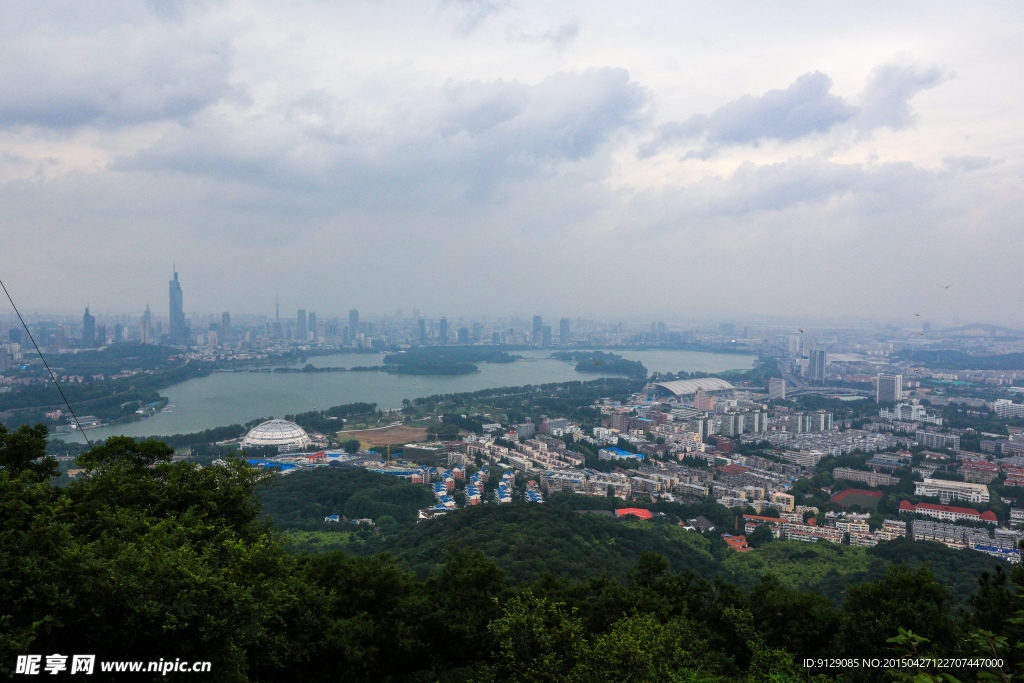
[23, 452]
[875, 611]
[803, 621]
[351, 446]
[762, 535]
[124, 451]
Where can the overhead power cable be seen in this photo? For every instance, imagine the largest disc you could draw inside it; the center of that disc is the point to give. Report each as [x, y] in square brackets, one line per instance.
[55, 383]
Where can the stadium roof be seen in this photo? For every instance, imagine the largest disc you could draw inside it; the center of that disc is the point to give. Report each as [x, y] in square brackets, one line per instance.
[683, 387]
[277, 433]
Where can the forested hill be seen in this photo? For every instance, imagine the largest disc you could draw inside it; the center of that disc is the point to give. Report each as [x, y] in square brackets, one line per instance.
[303, 499]
[529, 540]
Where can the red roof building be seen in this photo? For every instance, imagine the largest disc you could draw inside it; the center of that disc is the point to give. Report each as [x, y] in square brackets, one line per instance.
[948, 512]
[738, 543]
[638, 512]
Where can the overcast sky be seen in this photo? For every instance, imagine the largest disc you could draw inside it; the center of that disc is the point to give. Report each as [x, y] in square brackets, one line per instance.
[659, 160]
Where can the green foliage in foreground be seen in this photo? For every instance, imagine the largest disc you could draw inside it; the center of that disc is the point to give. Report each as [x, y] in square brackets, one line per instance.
[143, 559]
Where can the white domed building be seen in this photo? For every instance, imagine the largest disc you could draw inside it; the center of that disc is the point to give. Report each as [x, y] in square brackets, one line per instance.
[284, 435]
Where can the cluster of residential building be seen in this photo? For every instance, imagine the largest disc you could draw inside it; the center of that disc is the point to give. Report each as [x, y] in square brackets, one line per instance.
[830, 442]
[1005, 543]
[851, 528]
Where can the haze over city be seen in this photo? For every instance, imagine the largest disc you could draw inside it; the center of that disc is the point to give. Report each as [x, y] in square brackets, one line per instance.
[584, 159]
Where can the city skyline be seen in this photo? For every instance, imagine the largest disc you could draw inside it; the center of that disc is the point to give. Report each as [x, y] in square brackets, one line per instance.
[466, 157]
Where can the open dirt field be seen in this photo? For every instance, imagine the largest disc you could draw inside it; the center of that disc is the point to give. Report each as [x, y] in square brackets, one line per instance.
[399, 434]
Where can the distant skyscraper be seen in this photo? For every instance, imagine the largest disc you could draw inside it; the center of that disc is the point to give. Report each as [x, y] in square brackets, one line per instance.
[146, 327]
[300, 325]
[312, 325]
[563, 330]
[88, 330]
[478, 331]
[353, 323]
[423, 330]
[463, 335]
[538, 328]
[816, 369]
[225, 324]
[777, 389]
[101, 335]
[794, 345]
[177, 333]
[496, 337]
[546, 335]
[442, 332]
[118, 333]
[890, 388]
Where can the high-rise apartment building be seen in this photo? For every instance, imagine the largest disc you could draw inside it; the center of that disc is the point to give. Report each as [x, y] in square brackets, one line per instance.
[890, 388]
[88, 330]
[177, 333]
[312, 325]
[300, 325]
[101, 335]
[563, 330]
[816, 367]
[423, 330]
[462, 335]
[546, 335]
[225, 324]
[353, 323]
[777, 389]
[442, 331]
[538, 328]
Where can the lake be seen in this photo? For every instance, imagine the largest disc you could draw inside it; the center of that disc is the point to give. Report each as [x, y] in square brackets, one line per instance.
[225, 398]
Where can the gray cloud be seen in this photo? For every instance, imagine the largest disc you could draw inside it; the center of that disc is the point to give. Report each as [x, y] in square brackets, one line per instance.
[558, 38]
[968, 163]
[460, 139]
[61, 70]
[804, 108]
[473, 13]
[885, 101]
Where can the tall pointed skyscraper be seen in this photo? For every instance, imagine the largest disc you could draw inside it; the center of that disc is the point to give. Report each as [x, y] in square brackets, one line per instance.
[177, 333]
[88, 330]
